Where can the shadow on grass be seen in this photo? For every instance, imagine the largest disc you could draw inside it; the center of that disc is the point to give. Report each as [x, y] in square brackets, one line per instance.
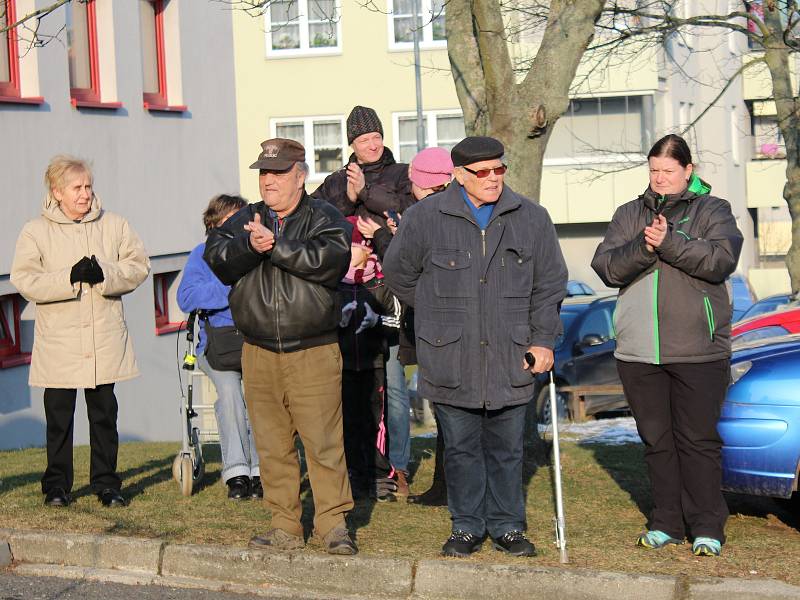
[158, 470]
[625, 465]
[12, 482]
[786, 511]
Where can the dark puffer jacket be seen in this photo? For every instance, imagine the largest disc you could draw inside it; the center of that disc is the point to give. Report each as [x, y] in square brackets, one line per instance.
[673, 306]
[481, 297]
[387, 188]
[285, 299]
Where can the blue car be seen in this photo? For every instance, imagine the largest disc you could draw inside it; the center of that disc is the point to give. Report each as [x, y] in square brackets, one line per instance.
[760, 422]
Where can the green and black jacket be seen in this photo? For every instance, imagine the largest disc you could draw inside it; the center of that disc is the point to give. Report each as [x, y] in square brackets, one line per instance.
[674, 305]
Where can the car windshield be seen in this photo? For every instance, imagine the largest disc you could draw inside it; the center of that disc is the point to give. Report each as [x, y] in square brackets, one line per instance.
[764, 306]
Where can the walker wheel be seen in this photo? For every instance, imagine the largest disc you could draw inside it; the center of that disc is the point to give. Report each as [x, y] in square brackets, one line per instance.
[176, 468]
[186, 479]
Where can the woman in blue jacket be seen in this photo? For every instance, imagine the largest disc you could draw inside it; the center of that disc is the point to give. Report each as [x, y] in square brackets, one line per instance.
[201, 290]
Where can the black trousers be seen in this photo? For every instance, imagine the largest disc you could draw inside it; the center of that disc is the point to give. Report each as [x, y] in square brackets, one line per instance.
[365, 436]
[59, 410]
[677, 408]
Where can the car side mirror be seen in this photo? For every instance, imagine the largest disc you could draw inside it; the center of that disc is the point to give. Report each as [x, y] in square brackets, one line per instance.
[590, 339]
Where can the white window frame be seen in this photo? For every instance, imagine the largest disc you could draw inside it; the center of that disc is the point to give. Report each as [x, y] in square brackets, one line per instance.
[308, 140]
[431, 129]
[427, 42]
[302, 21]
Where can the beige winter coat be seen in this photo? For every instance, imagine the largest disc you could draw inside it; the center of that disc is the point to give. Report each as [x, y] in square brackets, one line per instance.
[80, 338]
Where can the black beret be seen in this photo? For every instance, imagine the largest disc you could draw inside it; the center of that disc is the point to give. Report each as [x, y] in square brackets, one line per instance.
[474, 149]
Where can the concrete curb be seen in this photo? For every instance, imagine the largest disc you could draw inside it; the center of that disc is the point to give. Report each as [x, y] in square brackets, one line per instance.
[144, 561]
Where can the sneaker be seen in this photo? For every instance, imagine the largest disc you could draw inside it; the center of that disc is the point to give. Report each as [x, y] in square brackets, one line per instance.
[338, 541]
[238, 487]
[277, 539]
[461, 544]
[256, 491]
[515, 543]
[705, 546]
[383, 489]
[655, 539]
[402, 484]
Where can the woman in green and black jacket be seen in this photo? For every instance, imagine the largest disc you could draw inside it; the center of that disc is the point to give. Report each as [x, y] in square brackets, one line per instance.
[670, 252]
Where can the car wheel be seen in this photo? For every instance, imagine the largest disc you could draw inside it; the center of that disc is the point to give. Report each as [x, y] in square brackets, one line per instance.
[543, 406]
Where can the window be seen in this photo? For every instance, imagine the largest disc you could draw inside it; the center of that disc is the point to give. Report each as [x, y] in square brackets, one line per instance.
[297, 27]
[602, 129]
[767, 137]
[156, 84]
[165, 286]
[429, 21]
[442, 128]
[83, 55]
[324, 140]
[11, 354]
[10, 76]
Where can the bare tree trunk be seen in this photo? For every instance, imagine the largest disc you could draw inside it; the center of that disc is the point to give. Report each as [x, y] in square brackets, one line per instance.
[777, 56]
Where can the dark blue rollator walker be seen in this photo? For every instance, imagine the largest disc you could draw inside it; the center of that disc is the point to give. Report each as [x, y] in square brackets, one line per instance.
[188, 467]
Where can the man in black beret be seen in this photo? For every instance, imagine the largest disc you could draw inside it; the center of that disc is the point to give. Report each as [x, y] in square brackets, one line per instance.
[482, 267]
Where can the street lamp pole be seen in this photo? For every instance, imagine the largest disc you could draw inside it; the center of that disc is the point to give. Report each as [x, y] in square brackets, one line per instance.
[418, 77]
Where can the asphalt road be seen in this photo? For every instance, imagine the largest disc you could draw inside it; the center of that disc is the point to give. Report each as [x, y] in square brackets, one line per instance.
[18, 587]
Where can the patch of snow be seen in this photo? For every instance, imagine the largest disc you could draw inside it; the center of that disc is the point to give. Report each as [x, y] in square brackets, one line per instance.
[613, 432]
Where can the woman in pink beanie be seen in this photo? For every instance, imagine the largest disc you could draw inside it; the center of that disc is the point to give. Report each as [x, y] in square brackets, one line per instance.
[430, 171]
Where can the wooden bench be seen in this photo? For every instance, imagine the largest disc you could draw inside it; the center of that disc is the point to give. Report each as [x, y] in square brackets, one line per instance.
[576, 397]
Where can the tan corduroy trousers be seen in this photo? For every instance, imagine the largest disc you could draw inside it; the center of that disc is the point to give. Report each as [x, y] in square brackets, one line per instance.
[298, 393]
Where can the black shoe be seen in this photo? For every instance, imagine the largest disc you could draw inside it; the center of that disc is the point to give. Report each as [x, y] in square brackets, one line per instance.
[256, 491]
[57, 497]
[112, 497]
[238, 487]
[435, 496]
[515, 543]
[461, 544]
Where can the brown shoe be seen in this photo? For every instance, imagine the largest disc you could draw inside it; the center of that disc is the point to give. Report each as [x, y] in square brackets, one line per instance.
[277, 539]
[338, 541]
[402, 484]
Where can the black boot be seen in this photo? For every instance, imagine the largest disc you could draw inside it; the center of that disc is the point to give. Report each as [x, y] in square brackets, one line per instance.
[437, 494]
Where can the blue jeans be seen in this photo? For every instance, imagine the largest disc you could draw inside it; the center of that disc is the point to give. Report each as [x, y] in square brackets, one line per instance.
[483, 468]
[398, 409]
[239, 456]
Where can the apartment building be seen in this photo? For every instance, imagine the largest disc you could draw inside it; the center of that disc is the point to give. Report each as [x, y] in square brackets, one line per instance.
[144, 90]
[313, 60]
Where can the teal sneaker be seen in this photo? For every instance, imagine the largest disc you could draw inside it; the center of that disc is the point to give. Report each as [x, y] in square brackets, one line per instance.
[705, 546]
[655, 539]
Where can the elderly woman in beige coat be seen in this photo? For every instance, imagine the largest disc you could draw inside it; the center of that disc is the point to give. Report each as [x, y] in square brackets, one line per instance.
[75, 261]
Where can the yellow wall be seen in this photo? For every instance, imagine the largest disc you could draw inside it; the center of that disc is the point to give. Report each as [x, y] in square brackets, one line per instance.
[766, 282]
[757, 84]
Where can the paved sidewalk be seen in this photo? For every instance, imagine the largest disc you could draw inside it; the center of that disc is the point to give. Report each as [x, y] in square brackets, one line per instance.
[308, 574]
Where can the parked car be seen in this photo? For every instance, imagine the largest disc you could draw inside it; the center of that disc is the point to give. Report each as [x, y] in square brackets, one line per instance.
[584, 355]
[760, 422]
[743, 297]
[765, 305]
[767, 325]
[578, 288]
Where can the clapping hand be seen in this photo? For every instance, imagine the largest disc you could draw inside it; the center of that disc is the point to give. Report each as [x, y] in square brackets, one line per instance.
[86, 270]
[347, 313]
[654, 234]
[355, 181]
[371, 318]
[261, 238]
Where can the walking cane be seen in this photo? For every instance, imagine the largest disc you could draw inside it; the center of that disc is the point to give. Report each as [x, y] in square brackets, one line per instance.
[560, 524]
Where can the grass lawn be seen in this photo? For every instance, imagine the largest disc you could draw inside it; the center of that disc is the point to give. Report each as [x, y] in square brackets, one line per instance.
[606, 499]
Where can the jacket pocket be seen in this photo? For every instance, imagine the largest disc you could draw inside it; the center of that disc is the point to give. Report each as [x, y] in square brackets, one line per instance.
[439, 353]
[709, 310]
[520, 338]
[451, 274]
[517, 265]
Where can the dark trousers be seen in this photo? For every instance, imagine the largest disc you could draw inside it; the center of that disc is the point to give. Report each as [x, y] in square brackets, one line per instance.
[483, 468]
[677, 407]
[59, 410]
[363, 410]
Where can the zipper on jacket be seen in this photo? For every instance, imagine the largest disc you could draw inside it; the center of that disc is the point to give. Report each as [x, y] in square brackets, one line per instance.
[277, 226]
[656, 340]
[483, 241]
[709, 317]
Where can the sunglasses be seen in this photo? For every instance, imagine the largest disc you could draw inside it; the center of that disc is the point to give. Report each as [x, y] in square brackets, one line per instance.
[481, 173]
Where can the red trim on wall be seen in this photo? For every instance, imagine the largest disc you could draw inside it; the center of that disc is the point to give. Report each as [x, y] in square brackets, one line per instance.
[10, 89]
[10, 355]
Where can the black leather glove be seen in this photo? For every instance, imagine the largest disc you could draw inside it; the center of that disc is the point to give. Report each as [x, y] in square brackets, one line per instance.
[80, 270]
[95, 274]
